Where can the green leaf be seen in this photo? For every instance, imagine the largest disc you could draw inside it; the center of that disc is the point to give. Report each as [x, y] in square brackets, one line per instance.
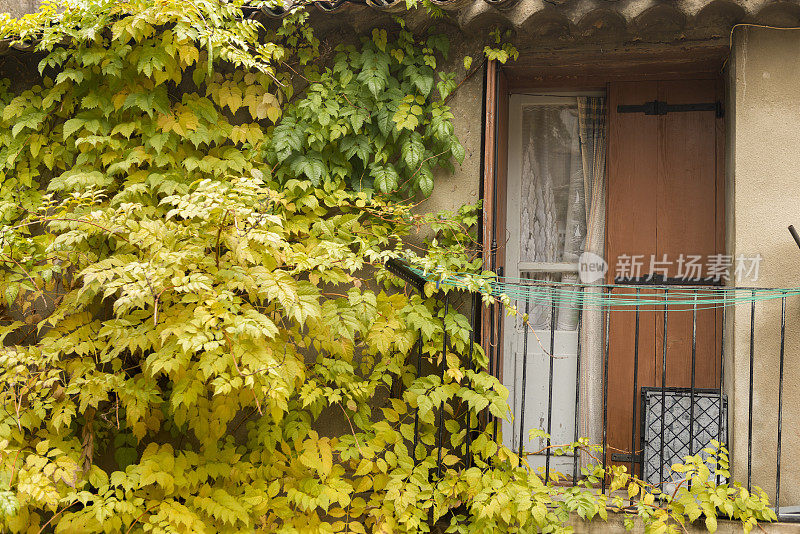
[358, 146]
[311, 164]
[385, 121]
[379, 38]
[439, 42]
[287, 138]
[413, 151]
[385, 177]
[30, 119]
[422, 78]
[375, 72]
[425, 180]
[457, 150]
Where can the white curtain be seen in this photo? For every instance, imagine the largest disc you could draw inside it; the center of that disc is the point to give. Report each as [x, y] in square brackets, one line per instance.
[593, 139]
[553, 206]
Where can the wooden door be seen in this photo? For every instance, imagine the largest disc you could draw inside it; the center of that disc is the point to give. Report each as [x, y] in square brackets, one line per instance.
[664, 202]
[633, 148]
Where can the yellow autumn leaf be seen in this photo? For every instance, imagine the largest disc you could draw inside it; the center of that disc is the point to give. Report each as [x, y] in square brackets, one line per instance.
[119, 99]
[274, 114]
[239, 134]
[364, 467]
[188, 55]
[450, 459]
[188, 121]
[166, 122]
[326, 455]
[230, 96]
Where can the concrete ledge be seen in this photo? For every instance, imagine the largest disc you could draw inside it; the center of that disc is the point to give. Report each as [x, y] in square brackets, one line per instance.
[616, 524]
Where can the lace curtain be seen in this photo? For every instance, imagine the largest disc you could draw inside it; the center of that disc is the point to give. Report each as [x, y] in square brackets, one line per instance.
[563, 151]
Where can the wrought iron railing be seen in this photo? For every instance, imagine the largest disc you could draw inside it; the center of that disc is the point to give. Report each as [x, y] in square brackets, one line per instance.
[669, 419]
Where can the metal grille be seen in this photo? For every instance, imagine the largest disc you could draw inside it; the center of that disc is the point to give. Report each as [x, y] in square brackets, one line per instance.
[677, 430]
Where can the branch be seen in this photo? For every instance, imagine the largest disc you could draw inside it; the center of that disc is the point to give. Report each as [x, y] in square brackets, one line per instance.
[467, 77]
[64, 219]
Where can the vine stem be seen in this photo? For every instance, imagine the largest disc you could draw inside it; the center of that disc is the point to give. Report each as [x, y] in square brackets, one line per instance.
[156, 300]
[56, 515]
[467, 77]
[13, 467]
[137, 519]
[352, 430]
[219, 235]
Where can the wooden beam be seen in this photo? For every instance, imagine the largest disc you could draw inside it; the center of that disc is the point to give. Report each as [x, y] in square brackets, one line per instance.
[592, 68]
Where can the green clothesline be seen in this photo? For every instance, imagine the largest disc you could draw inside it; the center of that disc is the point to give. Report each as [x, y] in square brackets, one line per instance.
[576, 295]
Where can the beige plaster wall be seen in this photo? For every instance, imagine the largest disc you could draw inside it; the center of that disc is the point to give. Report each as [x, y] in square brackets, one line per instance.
[17, 8]
[764, 198]
[463, 186]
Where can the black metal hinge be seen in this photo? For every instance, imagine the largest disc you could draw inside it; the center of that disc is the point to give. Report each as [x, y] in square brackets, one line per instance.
[657, 107]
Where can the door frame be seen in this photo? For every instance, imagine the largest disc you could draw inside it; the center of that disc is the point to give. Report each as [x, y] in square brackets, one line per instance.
[529, 77]
[572, 72]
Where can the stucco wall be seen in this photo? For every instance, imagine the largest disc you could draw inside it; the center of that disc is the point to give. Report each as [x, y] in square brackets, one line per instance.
[463, 186]
[17, 8]
[764, 197]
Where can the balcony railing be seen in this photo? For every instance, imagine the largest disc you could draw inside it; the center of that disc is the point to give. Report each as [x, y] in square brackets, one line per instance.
[674, 343]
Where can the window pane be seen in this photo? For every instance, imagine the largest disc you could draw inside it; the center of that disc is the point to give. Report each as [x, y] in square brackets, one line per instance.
[553, 207]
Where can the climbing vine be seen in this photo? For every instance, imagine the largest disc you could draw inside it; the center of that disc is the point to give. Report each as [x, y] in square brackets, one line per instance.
[196, 210]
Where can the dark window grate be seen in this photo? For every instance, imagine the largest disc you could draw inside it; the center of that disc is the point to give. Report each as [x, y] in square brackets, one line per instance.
[677, 427]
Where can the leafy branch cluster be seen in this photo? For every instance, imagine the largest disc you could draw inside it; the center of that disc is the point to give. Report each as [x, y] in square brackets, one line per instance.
[192, 262]
[375, 120]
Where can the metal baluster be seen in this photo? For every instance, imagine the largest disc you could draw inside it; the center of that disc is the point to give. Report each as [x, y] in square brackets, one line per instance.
[550, 381]
[722, 373]
[441, 405]
[694, 367]
[416, 411]
[635, 386]
[469, 411]
[475, 303]
[750, 395]
[498, 362]
[490, 343]
[524, 377]
[577, 388]
[605, 396]
[663, 394]
[780, 410]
